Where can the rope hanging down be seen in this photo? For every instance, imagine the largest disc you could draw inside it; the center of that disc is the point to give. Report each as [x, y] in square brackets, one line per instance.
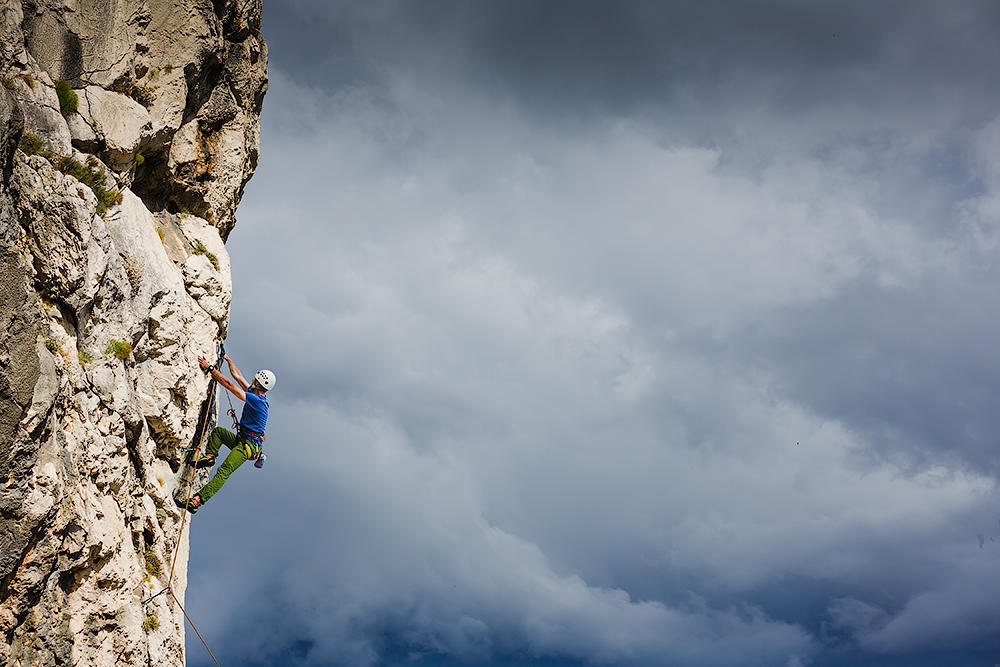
[195, 447]
[193, 626]
[232, 410]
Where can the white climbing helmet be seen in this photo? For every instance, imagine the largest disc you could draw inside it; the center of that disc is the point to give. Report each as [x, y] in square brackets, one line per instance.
[265, 379]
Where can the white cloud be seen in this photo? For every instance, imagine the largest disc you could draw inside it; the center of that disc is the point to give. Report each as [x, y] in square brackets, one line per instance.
[613, 209]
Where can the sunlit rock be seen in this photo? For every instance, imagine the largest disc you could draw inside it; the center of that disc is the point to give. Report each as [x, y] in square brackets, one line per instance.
[114, 278]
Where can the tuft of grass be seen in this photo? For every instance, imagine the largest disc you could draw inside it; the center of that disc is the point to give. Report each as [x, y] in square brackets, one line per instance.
[68, 101]
[141, 94]
[144, 95]
[168, 68]
[28, 79]
[153, 567]
[51, 344]
[139, 159]
[84, 358]
[92, 177]
[119, 348]
[7, 82]
[163, 237]
[112, 198]
[151, 623]
[200, 249]
[30, 144]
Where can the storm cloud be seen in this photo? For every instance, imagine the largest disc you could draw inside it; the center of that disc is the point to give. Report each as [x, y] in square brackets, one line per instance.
[617, 333]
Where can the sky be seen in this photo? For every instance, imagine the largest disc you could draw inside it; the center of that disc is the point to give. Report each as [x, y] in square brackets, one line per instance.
[617, 333]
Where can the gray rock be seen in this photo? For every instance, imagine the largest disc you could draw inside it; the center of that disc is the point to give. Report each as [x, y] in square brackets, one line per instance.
[40, 105]
[46, 388]
[120, 121]
[55, 212]
[105, 314]
[19, 366]
[92, 43]
[11, 126]
[83, 135]
[18, 311]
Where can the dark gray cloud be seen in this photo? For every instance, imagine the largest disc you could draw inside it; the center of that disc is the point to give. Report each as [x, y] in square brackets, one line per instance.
[914, 370]
[619, 333]
[578, 57]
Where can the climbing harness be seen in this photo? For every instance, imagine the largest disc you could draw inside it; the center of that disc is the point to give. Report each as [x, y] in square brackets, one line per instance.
[251, 441]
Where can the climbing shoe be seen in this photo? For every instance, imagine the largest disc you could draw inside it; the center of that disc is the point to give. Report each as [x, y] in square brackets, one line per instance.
[206, 461]
[187, 505]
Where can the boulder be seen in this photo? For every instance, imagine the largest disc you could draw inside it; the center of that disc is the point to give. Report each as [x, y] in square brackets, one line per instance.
[83, 135]
[36, 96]
[167, 109]
[55, 211]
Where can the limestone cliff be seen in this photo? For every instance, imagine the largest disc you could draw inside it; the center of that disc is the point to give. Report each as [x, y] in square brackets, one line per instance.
[128, 129]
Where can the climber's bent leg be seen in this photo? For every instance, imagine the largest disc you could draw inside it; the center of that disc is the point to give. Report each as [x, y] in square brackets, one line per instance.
[220, 436]
[236, 458]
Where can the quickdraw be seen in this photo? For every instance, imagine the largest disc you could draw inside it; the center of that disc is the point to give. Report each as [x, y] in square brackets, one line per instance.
[153, 597]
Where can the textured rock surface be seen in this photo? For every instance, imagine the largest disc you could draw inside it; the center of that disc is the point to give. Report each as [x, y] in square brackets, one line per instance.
[194, 64]
[91, 444]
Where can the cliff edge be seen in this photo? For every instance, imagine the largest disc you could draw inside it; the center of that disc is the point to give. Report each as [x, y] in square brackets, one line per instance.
[128, 131]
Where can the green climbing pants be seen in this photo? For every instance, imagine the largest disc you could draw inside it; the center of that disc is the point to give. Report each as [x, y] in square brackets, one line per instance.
[242, 451]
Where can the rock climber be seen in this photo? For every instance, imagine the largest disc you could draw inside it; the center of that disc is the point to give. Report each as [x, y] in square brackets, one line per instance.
[247, 443]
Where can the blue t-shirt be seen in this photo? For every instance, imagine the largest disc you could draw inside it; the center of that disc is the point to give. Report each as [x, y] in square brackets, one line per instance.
[254, 417]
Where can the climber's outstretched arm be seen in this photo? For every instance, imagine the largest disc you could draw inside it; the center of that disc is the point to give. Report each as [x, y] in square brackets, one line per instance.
[229, 384]
[222, 379]
[235, 372]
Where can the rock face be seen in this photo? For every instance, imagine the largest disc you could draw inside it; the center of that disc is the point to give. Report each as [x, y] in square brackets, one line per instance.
[116, 196]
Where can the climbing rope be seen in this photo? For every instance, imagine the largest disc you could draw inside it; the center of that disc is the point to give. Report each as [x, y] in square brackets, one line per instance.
[199, 436]
[170, 577]
[193, 625]
[232, 410]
